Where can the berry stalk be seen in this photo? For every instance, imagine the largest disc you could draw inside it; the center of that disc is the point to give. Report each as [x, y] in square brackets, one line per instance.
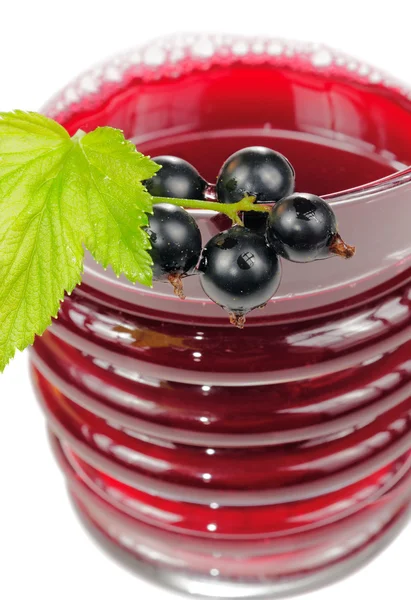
[341, 248]
[231, 210]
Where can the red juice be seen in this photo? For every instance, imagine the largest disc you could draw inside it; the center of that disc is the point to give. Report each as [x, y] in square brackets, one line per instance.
[277, 458]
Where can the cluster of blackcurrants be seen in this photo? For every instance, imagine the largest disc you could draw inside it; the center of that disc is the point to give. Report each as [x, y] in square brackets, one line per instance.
[239, 268]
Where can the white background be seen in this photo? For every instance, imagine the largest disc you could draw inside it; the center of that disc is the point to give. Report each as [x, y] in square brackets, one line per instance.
[44, 552]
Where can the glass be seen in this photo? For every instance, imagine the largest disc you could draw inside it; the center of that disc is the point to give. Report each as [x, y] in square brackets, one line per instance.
[275, 459]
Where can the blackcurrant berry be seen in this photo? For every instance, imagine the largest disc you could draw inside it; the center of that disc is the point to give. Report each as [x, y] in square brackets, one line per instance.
[303, 228]
[239, 272]
[176, 179]
[175, 244]
[255, 171]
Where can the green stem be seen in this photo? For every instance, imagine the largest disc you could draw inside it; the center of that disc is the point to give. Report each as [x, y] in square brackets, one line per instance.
[231, 210]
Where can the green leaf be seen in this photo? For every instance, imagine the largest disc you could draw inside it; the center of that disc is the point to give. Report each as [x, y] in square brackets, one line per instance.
[57, 195]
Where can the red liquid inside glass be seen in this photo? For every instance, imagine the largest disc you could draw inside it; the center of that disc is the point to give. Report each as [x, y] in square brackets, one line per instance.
[307, 463]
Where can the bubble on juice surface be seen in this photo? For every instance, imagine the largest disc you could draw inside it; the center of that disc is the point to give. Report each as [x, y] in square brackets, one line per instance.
[322, 58]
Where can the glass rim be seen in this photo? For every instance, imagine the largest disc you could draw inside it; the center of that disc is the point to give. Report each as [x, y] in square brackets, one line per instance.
[369, 189]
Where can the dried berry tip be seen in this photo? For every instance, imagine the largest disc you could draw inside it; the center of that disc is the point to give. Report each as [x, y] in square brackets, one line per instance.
[237, 320]
[340, 248]
[177, 283]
